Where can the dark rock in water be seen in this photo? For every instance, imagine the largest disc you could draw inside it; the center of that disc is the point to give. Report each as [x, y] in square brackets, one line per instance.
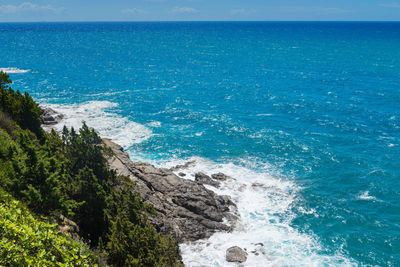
[50, 116]
[205, 179]
[236, 254]
[186, 209]
[257, 185]
[202, 176]
[184, 166]
[181, 174]
[220, 176]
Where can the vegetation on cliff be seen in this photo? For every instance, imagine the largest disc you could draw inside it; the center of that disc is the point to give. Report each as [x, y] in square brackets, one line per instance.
[28, 241]
[69, 175]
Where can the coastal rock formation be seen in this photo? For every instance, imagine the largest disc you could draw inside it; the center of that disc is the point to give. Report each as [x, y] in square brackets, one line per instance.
[186, 209]
[183, 166]
[205, 179]
[236, 254]
[220, 176]
[50, 116]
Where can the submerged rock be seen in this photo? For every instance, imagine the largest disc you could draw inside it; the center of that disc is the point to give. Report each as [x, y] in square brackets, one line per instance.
[186, 209]
[257, 185]
[236, 254]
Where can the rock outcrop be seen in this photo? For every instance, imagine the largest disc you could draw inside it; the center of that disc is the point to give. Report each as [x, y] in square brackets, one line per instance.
[183, 166]
[186, 209]
[50, 116]
[220, 176]
[236, 254]
[205, 179]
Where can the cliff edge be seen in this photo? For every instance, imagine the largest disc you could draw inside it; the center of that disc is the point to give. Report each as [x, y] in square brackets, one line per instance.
[186, 209]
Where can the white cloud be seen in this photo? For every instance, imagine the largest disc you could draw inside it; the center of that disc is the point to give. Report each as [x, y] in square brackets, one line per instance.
[28, 6]
[133, 11]
[315, 9]
[238, 11]
[242, 11]
[393, 5]
[181, 10]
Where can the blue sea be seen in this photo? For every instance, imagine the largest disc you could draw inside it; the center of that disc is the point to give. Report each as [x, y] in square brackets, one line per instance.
[305, 116]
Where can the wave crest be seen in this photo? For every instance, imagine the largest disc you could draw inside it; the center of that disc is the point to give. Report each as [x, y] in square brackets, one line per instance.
[100, 116]
[13, 70]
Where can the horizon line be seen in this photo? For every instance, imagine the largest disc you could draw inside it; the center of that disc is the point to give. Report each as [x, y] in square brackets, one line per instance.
[165, 21]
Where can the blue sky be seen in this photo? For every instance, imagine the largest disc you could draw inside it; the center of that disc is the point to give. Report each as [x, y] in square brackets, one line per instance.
[176, 10]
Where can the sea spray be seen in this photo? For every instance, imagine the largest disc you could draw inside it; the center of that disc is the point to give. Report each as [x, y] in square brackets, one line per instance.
[264, 203]
[13, 70]
[100, 115]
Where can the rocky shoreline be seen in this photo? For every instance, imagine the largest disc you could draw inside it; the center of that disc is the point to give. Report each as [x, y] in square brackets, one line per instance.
[186, 209]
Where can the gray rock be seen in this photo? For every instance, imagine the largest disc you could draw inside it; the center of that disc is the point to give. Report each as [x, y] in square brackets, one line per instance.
[184, 166]
[236, 254]
[50, 116]
[181, 174]
[186, 209]
[257, 185]
[205, 179]
[220, 176]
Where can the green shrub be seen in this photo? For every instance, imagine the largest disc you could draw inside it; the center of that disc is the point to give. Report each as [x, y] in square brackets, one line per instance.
[27, 241]
[20, 107]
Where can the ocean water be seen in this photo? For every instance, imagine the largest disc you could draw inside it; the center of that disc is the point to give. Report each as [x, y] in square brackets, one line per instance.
[304, 116]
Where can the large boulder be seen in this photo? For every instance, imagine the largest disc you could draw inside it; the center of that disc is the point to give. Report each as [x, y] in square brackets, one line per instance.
[236, 254]
[186, 209]
[50, 116]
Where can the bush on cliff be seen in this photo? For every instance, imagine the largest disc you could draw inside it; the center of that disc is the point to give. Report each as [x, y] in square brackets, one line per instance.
[28, 241]
[20, 107]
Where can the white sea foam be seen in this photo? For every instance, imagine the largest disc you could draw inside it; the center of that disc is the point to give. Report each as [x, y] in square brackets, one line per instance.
[264, 203]
[155, 124]
[100, 115]
[365, 196]
[13, 70]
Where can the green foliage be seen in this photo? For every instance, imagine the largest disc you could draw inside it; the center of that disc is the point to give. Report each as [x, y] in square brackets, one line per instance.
[32, 175]
[69, 175]
[8, 124]
[27, 241]
[4, 80]
[20, 107]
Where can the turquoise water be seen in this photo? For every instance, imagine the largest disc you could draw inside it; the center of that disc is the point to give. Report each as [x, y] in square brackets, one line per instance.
[313, 107]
